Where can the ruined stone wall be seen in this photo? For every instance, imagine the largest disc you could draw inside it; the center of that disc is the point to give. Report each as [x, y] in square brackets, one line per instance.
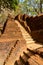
[34, 25]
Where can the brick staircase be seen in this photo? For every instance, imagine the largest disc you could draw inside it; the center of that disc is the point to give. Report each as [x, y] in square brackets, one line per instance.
[34, 48]
[11, 30]
[19, 46]
[8, 47]
[33, 25]
[30, 42]
[30, 57]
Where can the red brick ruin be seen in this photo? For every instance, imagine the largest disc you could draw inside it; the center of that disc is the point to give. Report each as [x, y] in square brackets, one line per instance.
[34, 25]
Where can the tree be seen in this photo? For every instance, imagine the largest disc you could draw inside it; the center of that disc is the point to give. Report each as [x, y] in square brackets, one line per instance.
[11, 4]
[32, 6]
[41, 6]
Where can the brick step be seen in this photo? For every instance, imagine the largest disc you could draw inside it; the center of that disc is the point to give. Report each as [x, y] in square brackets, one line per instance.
[37, 59]
[25, 34]
[5, 48]
[39, 51]
[17, 51]
[31, 62]
[11, 35]
[29, 39]
[33, 46]
[24, 58]
[11, 30]
[29, 43]
[29, 58]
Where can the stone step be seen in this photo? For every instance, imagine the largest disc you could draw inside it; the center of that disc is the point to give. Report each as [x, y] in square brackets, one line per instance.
[28, 54]
[28, 39]
[29, 42]
[25, 34]
[39, 51]
[17, 51]
[34, 46]
[24, 57]
[37, 59]
[31, 62]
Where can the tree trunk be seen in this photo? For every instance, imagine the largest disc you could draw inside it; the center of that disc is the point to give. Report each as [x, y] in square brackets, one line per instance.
[0, 9]
[40, 6]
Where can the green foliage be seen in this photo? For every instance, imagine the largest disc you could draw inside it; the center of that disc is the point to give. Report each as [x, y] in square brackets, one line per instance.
[12, 4]
[32, 6]
[25, 6]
